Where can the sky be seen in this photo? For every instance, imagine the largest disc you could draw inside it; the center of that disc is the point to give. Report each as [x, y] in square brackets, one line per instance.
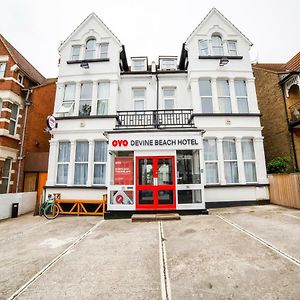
[148, 28]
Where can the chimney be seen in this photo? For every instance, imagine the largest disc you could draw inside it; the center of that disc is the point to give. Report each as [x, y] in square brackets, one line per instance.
[153, 67]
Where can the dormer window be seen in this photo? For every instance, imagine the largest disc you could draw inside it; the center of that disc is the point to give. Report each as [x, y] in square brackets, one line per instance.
[138, 64]
[168, 63]
[75, 52]
[90, 48]
[217, 45]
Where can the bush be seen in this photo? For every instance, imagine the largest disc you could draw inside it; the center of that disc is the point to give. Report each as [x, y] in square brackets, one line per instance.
[279, 165]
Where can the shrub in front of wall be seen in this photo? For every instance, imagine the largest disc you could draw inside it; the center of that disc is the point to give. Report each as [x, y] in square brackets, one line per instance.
[279, 165]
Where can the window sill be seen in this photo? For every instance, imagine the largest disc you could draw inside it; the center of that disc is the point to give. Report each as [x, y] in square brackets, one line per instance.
[70, 62]
[235, 185]
[226, 115]
[219, 56]
[87, 117]
[59, 186]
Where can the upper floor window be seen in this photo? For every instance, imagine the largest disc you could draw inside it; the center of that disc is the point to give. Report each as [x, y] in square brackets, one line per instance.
[85, 102]
[169, 98]
[104, 50]
[2, 69]
[203, 47]
[68, 99]
[224, 96]
[241, 95]
[206, 95]
[75, 52]
[139, 98]
[1, 102]
[6, 176]
[169, 63]
[20, 78]
[102, 98]
[63, 162]
[139, 64]
[13, 119]
[217, 45]
[231, 45]
[90, 48]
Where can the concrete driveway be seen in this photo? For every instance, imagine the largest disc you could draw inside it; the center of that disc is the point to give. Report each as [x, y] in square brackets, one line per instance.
[234, 253]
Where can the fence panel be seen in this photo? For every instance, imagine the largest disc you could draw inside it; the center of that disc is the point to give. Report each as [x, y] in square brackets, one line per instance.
[285, 189]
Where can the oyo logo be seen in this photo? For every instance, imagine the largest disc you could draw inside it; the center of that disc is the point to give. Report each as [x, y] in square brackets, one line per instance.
[116, 143]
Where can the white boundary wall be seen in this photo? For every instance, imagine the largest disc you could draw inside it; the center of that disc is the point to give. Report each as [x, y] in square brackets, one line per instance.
[26, 203]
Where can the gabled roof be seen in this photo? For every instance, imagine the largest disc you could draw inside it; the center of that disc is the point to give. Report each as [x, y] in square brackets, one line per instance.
[90, 16]
[293, 65]
[26, 67]
[215, 11]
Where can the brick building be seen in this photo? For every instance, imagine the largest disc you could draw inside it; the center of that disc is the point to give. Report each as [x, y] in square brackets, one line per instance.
[278, 94]
[20, 112]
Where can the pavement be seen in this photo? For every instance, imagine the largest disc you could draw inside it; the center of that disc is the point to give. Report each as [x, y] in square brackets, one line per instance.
[233, 253]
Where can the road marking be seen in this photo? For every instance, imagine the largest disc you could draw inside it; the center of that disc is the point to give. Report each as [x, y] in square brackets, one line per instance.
[291, 216]
[164, 274]
[52, 263]
[262, 241]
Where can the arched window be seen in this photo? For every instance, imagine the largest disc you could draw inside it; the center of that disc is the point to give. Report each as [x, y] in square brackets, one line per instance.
[90, 48]
[217, 45]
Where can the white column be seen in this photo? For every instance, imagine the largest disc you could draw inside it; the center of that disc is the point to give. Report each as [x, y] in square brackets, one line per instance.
[221, 161]
[216, 108]
[72, 164]
[94, 98]
[196, 104]
[260, 161]
[77, 97]
[234, 105]
[252, 98]
[113, 97]
[97, 50]
[52, 164]
[82, 52]
[90, 163]
[240, 161]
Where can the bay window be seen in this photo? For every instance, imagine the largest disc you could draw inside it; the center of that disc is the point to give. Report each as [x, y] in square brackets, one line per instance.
[205, 95]
[224, 96]
[85, 103]
[13, 119]
[100, 158]
[81, 163]
[102, 98]
[211, 160]
[63, 162]
[249, 160]
[241, 95]
[230, 161]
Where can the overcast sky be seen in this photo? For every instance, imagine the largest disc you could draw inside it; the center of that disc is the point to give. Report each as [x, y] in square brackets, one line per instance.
[150, 28]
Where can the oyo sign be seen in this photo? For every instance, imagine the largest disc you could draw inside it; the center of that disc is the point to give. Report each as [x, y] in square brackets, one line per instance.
[51, 122]
[119, 143]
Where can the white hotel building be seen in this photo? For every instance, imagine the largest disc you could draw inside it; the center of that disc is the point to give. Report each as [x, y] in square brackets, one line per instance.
[180, 134]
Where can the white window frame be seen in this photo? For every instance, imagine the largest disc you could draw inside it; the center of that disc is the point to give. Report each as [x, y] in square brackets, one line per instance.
[67, 104]
[20, 78]
[241, 98]
[67, 163]
[93, 51]
[89, 100]
[103, 54]
[232, 42]
[104, 163]
[104, 100]
[169, 66]
[203, 51]
[72, 52]
[224, 97]
[212, 161]
[206, 97]
[2, 69]
[169, 98]
[77, 163]
[6, 177]
[230, 160]
[249, 160]
[138, 99]
[140, 68]
[12, 120]
[219, 47]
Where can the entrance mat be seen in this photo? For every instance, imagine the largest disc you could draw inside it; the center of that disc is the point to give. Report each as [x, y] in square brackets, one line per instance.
[154, 217]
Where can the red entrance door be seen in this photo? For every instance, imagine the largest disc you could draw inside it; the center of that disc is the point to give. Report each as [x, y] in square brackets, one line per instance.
[155, 182]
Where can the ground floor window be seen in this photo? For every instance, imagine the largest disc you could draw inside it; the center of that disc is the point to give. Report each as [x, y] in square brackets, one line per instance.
[81, 163]
[189, 196]
[249, 160]
[211, 161]
[6, 176]
[230, 161]
[100, 158]
[63, 162]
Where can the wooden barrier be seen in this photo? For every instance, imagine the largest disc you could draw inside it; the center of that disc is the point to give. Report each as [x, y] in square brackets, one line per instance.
[82, 206]
[285, 189]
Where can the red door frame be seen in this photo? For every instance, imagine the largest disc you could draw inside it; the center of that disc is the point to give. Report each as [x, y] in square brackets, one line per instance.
[155, 188]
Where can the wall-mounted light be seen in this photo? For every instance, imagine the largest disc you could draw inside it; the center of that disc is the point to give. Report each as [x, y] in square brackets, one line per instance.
[84, 65]
[223, 61]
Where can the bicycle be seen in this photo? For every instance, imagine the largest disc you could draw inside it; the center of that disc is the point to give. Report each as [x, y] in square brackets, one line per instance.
[48, 208]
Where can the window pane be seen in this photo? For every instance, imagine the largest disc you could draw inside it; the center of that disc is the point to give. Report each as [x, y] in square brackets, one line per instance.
[169, 104]
[225, 105]
[248, 149]
[211, 170]
[1, 101]
[69, 92]
[100, 151]
[85, 107]
[86, 90]
[250, 171]
[14, 111]
[138, 93]
[6, 168]
[240, 88]
[203, 46]
[4, 186]
[243, 105]
[62, 174]
[139, 105]
[189, 196]
[206, 104]
[12, 127]
[232, 47]
[104, 50]
[231, 172]
[102, 107]
[2, 69]
[64, 152]
[138, 65]
[168, 64]
[90, 49]
[210, 149]
[223, 88]
[82, 152]
[99, 174]
[81, 171]
[229, 150]
[188, 167]
[103, 90]
[205, 87]
[75, 52]
[169, 92]
[217, 45]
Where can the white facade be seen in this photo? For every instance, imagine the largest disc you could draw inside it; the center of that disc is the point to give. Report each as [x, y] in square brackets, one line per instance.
[211, 91]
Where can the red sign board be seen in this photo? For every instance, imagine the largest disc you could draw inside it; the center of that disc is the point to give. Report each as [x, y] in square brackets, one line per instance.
[123, 171]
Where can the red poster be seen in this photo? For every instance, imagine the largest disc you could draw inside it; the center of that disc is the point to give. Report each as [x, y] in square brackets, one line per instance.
[123, 171]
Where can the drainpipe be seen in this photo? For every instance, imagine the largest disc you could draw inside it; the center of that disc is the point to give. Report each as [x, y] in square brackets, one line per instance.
[20, 158]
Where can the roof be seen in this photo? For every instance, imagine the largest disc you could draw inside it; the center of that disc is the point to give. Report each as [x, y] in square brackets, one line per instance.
[46, 82]
[293, 65]
[22, 62]
[214, 10]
